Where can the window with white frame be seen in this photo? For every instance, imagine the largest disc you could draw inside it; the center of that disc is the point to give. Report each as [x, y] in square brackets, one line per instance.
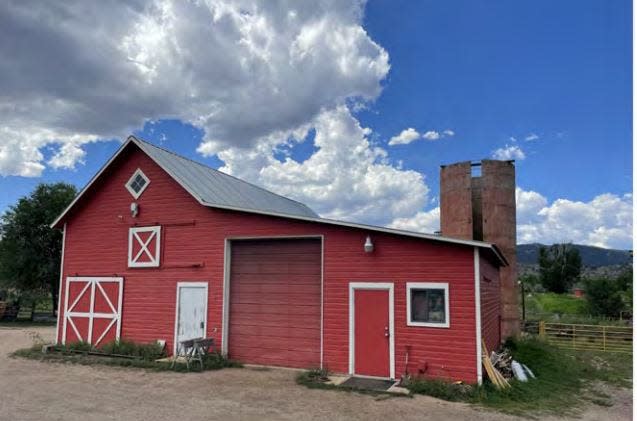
[428, 304]
[137, 183]
[144, 247]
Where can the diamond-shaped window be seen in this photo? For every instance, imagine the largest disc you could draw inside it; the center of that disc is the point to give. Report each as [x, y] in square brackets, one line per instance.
[137, 183]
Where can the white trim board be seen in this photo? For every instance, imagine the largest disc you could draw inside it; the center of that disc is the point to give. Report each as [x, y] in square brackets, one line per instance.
[429, 285]
[389, 286]
[189, 284]
[227, 255]
[476, 272]
[59, 315]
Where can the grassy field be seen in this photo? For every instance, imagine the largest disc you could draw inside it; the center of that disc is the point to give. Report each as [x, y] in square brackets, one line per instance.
[565, 380]
[564, 308]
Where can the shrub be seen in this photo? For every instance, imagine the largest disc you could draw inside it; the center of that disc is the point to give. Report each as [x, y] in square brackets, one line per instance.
[443, 390]
[604, 297]
[150, 351]
[78, 346]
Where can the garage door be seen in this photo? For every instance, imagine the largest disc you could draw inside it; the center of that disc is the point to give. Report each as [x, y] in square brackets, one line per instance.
[275, 302]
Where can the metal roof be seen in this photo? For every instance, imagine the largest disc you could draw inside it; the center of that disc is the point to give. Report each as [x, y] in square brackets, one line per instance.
[216, 189]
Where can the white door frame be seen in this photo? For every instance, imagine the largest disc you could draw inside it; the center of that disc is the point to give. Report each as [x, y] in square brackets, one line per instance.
[177, 296]
[227, 256]
[353, 286]
[92, 282]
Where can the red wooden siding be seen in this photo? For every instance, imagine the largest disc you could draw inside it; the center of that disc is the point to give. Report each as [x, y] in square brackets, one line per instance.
[192, 249]
[490, 303]
[275, 302]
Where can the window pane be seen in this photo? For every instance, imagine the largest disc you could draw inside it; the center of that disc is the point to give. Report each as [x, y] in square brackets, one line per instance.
[428, 305]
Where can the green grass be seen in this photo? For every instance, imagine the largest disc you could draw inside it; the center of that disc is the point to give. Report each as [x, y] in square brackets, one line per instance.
[562, 308]
[565, 380]
[211, 362]
[555, 303]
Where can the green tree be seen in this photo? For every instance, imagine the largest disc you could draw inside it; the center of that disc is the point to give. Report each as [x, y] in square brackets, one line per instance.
[29, 249]
[604, 297]
[560, 267]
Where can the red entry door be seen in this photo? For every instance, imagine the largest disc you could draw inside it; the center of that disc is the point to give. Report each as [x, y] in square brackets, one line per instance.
[371, 332]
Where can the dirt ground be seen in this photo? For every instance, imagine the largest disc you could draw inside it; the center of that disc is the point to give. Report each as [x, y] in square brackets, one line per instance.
[31, 390]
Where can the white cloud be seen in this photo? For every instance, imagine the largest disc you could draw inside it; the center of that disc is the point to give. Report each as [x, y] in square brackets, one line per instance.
[422, 221]
[508, 152]
[605, 221]
[410, 135]
[431, 135]
[347, 178]
[531, 137]
[242, 71]
[405, 137]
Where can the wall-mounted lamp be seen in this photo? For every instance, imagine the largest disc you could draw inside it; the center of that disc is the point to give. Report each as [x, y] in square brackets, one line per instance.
[134, 209]
[369, 246]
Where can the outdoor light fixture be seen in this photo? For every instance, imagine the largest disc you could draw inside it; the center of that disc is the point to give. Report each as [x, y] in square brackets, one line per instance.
[369, 246]
[134, 209]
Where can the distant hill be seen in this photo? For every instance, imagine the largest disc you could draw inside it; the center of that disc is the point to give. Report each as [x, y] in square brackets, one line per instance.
[591, 256]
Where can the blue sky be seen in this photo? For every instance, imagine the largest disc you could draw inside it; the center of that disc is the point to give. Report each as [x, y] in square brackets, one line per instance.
[546, 82]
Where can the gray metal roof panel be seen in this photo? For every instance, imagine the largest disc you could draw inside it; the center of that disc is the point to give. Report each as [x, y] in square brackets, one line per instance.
[214, 187]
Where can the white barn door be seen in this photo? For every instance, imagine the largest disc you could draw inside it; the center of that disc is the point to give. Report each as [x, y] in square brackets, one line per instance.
[92, 310]
[192, 309]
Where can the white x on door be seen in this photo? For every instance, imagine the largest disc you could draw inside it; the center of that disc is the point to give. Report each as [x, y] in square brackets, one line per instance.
[92, 310]
[144, 246]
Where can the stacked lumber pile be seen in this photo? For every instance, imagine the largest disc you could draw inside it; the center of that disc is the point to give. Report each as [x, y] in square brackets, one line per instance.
[501, 367]
[494, 375]
[502, 362]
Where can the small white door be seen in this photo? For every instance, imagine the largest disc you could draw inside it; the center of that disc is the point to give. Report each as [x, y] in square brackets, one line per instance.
[191, 311]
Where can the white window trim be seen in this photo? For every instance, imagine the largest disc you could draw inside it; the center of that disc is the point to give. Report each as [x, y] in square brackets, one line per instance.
[132, 237]
[130, 180]
[428, 285]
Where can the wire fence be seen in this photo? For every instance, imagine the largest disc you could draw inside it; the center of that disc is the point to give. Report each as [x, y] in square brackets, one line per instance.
[588, 337]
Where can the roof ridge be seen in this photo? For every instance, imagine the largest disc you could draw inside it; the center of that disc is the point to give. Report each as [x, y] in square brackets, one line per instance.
[220, 172]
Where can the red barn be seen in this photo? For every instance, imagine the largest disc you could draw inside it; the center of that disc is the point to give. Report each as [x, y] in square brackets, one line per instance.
[157, 246]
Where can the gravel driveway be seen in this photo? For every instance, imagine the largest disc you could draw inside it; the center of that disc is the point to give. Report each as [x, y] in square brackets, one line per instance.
[31, 390]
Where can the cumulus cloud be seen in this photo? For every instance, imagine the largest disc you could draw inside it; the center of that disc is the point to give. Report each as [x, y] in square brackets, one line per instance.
[348, 177]
[531, 137]
[243, 71]
[410, 135]
[422, 221]
[508, 152]
[431, 135]
[405, 137]
[604, 221]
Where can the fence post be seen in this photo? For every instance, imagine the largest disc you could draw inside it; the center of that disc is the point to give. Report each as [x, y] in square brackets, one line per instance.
[541, 328]
[604, 336]
[573, 336]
